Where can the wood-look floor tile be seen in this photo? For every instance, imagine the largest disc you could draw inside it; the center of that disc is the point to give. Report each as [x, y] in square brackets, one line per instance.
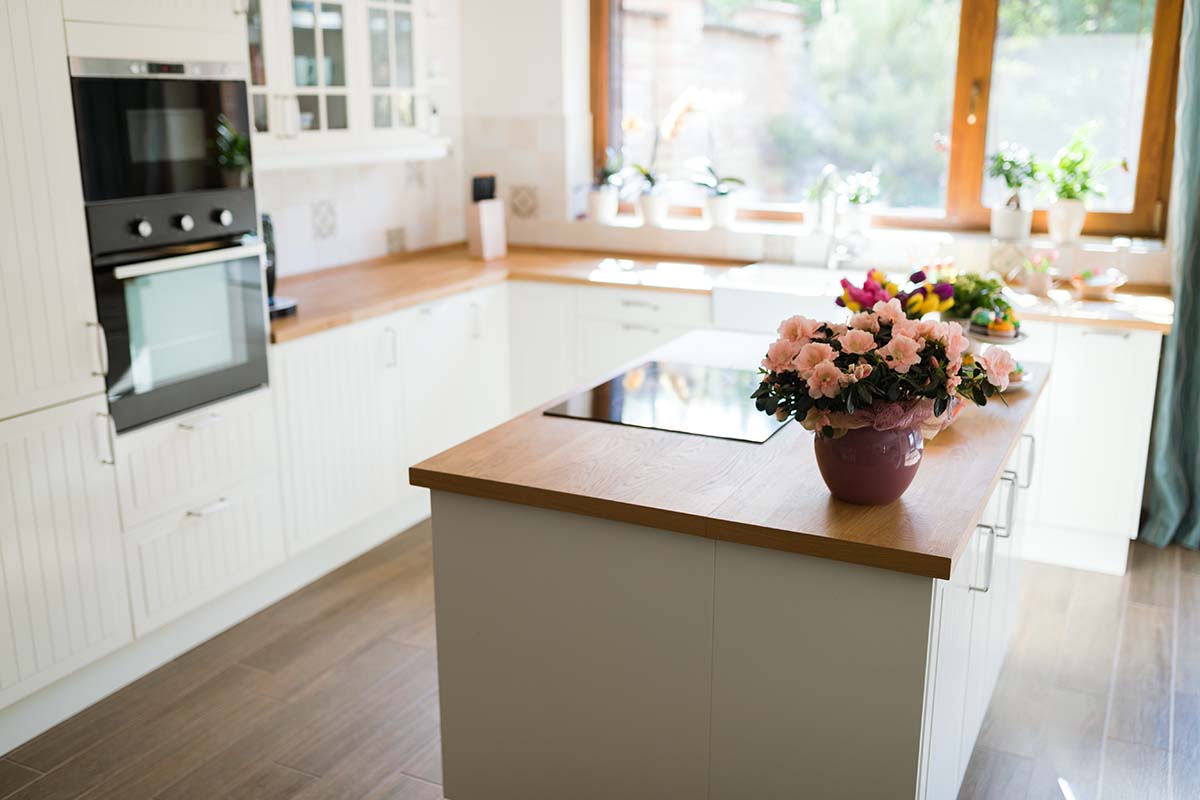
[1151, 575]
[1185, 766]
[1088, 647]
[1189, 561]
[267, 782]
[1141, 702]
[14, 776]
[996, 775]
[1187, 657]
[1069, 744]
[426, 762]
[1133, 771]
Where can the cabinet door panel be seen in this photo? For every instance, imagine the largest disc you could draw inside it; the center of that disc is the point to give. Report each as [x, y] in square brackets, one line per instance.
[63, 597]
[1101, 400]
[201, 15]
[338, 409]
[944, 742]
[606, 345]
[542, 342]
[49, 353]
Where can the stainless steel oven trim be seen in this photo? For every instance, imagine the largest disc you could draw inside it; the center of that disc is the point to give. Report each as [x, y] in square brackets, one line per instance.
[133, 68]
[190, 260]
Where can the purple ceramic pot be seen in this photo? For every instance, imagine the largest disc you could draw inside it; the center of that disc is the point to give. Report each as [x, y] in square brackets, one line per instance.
[870, 467]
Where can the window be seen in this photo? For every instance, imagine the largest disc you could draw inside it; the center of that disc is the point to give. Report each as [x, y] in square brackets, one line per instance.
[918, 91]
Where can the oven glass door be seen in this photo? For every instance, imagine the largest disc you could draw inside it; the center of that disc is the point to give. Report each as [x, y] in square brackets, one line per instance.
[155, 136]
[182, 336]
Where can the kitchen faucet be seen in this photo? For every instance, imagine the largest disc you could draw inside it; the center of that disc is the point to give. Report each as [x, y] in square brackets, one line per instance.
[826, 185]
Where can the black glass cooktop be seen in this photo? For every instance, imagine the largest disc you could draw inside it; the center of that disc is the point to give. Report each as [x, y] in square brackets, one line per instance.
[706, 401]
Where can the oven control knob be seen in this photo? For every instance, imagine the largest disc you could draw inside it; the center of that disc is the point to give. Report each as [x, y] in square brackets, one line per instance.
[141, 227]
[185, 222]
[223, 217]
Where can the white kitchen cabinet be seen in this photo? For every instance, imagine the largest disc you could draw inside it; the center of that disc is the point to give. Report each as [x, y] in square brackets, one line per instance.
[542, 340]
[199, 15]
[455, 368]
[53, 348]
[338, 405]
[183, 559]
[339, 82]
[63, 599]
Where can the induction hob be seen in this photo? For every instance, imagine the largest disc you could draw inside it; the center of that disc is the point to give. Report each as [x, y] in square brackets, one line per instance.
[685, 398]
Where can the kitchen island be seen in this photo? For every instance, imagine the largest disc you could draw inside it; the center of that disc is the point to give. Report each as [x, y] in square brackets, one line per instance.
[624, 612]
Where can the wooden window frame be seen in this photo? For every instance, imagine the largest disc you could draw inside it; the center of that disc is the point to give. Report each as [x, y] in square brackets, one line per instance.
[964, 210]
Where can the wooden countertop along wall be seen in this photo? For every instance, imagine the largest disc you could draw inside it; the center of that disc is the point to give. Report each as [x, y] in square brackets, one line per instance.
[769, 495]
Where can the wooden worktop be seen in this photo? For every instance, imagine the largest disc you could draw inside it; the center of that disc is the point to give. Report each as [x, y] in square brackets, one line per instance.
[769, 495]
[338, 296]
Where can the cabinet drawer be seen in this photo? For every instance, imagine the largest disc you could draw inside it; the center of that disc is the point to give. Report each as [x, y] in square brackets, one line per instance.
[646, 307]
[187, 557]
[182, 460]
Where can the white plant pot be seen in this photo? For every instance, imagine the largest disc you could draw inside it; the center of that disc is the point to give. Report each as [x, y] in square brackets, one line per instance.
[722, 210]
[602, 205]
[1065, 218]
[857, 218]
[1011, 224]
[654, 210]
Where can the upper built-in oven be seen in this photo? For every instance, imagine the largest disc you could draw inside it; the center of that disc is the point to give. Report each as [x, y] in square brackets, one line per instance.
[165, 154]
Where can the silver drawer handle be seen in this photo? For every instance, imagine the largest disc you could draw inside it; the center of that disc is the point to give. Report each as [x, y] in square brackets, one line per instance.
[1010, 478]
[101, 349]
[1107, 332]
[991, 558]
[111, 448]
[641, 304]
[629, 326]
[200, 423]
[215, 507]
[1032, 453]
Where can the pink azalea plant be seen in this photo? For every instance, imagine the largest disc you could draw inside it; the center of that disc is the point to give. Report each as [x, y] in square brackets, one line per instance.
[881, 369]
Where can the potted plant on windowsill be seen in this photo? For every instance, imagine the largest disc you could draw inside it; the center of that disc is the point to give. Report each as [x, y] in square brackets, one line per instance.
[860, 189]
[1071, 178]
[654, 202]
[873, 390]
[1017, 168]
[605, 195]
[722, 199]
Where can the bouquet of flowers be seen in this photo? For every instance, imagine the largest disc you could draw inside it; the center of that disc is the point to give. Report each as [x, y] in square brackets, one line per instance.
[920, 298]
[882, 370]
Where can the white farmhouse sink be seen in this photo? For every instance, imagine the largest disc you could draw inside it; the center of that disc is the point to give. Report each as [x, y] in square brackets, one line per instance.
[755, 298]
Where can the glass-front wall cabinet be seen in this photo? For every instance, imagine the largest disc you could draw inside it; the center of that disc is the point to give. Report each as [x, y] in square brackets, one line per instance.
[335, 75]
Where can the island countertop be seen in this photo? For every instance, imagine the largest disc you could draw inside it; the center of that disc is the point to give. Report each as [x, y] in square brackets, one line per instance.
[768, 495]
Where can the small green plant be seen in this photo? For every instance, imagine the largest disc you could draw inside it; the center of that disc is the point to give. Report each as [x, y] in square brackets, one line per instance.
[1073, 173]
[1017, 167]
[651, 179]
[716, 185]
[233, 148]
[972, 291]
[861, 188]
[1041, 262]
[608, 173]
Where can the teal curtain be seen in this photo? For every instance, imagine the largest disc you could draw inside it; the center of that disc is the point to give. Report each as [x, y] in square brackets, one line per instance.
[1175, 453]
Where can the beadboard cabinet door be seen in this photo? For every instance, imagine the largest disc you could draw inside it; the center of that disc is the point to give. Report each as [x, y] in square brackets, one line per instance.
[338, 405]
[50, 345]
[63, 597]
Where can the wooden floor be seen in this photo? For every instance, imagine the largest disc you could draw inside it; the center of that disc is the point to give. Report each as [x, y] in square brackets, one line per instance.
[332, 693]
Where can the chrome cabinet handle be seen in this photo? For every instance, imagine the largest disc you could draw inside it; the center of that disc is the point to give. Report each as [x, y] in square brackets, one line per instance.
[214, 507]
[641, 304]
[111, 447]
[101, 349]
[1107, 332]
[201, 422]
[991, 558]
[1010, 478]
[393, 348]
[476, 322]
[629, 326]
[1032, 453]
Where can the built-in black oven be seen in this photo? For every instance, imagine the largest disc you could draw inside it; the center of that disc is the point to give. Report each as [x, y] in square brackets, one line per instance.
[165, 153]
[181, 332]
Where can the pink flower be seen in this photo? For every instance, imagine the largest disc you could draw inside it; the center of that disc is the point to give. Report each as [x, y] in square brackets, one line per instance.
[901, 353]
[826, 380]
[890, 312]
[798, 328]
[907, 327]
[864, 321]
[810, 356]
[952, 383]
[956, 342]
[857, 342]
[780, 355]
[932, 330]
[998, 364]
[861, 371]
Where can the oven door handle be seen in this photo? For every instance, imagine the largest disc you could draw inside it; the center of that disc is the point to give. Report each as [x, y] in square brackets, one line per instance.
[190, 260]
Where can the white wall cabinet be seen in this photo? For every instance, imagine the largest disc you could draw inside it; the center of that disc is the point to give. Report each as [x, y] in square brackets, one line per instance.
[339, 82]
[339, 406]
[63, 600]
[197, 15]
[53, 350]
